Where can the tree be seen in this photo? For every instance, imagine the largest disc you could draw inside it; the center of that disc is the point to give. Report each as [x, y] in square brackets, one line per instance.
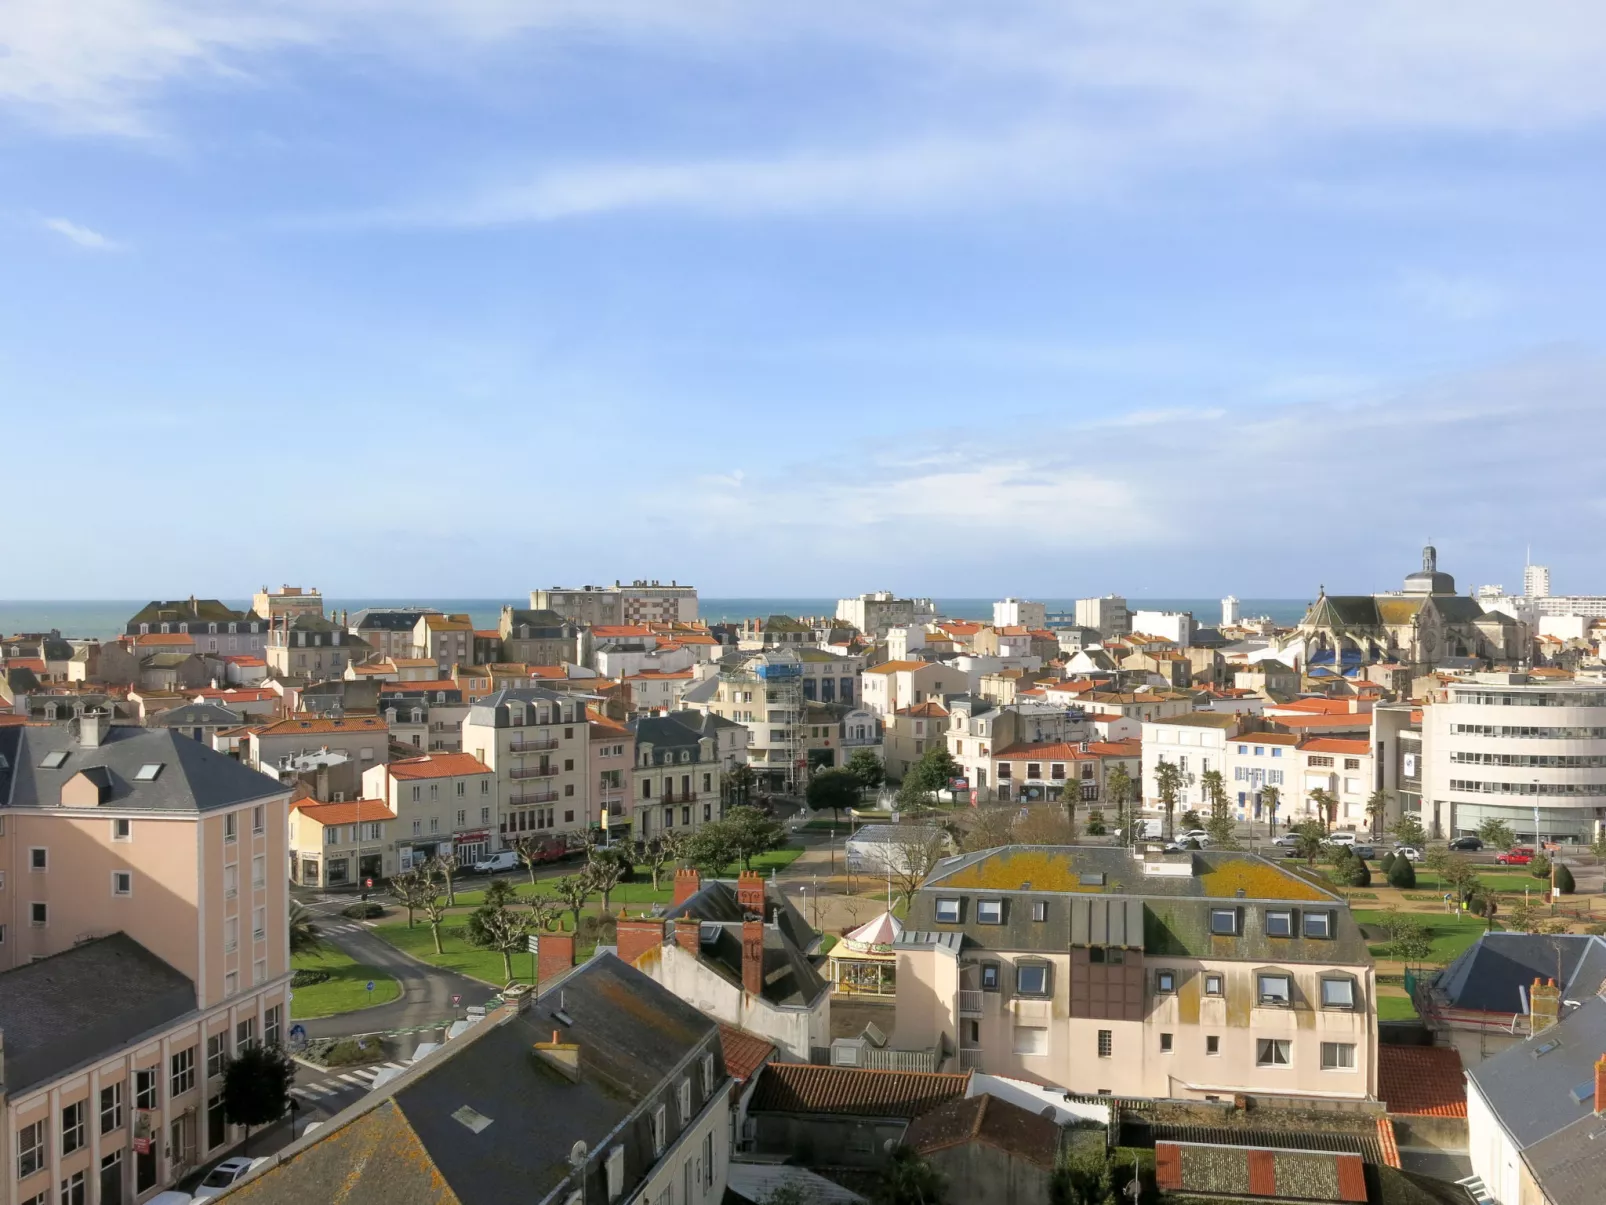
[1497, 834]
[664, 850]
[1312, 837]
[752, 833]
[1326, 805]
[739, 781]
[835, 789]
[911, 855]
[1192, 820]
[499, 894]
[1598, 845]
[1083, 1179]
[1045, 826]
[1377, 806]
[1385, 862]
[933, 772]
[1402, 874]
[1539, 867]
[1459, 876]
[1168, 786]
[605, 874]
[867, 768]
[434, 906]
[409, 888]
[304, 935]
[991, 827]
[1220, 826]
[531, 850]
[1358, 874]
[1270, 797]
[499, 928]
[445, 865]
[1095, 823]
[1408, 830]
[908, 1179]
[256, 1086]
[1525, 917]
[713, 847]
[1118, 789]
[1564, 880]
[1409, 940]
[573, 890]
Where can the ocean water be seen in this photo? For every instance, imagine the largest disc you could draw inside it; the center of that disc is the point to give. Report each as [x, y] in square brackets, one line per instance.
[106, 618]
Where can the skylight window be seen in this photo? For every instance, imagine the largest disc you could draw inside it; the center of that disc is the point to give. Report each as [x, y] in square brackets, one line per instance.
[53, 760]
[148, 772]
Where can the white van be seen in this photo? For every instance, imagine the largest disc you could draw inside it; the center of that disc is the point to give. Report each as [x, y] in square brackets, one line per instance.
[1144, 830]
[506, 859]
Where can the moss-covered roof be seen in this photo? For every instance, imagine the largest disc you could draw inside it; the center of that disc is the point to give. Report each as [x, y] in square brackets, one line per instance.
[1038, 868]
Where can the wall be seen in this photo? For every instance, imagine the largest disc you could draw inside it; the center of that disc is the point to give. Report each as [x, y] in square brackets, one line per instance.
[793, 1030]
[826, 1140]
[1493, 1155]
[979, 1173]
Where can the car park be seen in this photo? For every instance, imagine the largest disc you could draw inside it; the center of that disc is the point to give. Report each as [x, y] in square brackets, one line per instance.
[1516, 857]
[1468, 843]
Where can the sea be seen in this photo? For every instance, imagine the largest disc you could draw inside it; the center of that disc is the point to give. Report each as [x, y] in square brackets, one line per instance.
[106, 618]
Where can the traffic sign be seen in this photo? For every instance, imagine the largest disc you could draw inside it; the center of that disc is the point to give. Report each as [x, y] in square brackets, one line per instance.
[456, 1000]
[370, 985]
[368, 882]
[535, 943]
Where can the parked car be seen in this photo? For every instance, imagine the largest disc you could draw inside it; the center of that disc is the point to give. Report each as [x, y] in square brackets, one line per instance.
[1409, 852]
[1363, 851]
[1515, 857]
[1287, 840]
[1195, 834]
[223, 1176]
[504, 859]
[1340, 838]
[1473, 843]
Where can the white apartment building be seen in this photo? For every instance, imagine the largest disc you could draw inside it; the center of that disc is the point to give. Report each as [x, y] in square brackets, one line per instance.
[1018, 613]
[874, 613]
[1175, 626]
[1108, 616]
[538, 744]
[642, 601]
[1503, 747]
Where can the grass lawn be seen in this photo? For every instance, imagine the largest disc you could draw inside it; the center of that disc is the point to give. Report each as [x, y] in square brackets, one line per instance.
[485, 965]
[641, 891]
[1493, 880]
[346, 989]
[1395, 1008]
[1451, 934]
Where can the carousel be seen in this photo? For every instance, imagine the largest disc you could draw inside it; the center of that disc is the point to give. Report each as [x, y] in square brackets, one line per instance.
[862, 963]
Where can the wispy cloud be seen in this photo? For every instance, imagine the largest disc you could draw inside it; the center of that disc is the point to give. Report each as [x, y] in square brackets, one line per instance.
[92, 240]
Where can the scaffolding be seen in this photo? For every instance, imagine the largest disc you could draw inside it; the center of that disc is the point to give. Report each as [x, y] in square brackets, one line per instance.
[780, 675]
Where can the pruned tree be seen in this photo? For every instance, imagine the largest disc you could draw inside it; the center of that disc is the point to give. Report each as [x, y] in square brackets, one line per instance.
[499, 928]
[573, 890]
[605, 874]
[666, 849]
[409, 889]
[434, 906]
[445, 866]
[1168, 783]
[256, 1086]
[531, 850]
[911, 855]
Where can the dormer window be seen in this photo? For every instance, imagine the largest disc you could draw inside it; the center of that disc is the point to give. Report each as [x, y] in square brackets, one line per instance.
[990, 912]
[1319, 924]
[1224, 922]
[948, 912]
[1274, 989]
[1279, 923]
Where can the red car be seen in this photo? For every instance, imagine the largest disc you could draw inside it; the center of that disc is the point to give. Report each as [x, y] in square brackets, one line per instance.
[1516, 857]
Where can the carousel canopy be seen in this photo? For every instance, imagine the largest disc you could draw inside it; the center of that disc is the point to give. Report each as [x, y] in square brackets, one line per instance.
[882, 931]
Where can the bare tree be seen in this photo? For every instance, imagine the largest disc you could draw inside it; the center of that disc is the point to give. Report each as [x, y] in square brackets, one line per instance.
[445, 865]
[574, 890]
[434, 905]
[605, 874]
[530, 848]
[666, 849]
[503, 930]
[911, 855]
[993, 827]
[1045, 826]
[410, 888]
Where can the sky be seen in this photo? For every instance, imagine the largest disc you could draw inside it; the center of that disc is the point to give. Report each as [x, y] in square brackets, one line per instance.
[453, 298]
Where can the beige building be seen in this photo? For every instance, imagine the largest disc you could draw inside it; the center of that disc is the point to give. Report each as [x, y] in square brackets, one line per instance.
[611, 745]
[291, 601]
[896, 684]
[364, 739]
[1100, 970]
[642, 601]
[338, 844]
[678, 777]
[910, 732]
[143, 911]
[309, 646]
[447, 640]
[537, 744]
[445, 804]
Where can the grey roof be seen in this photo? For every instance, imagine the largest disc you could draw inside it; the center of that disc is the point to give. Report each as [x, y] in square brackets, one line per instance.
[758, 1182]
[193, 777]
[668, 736]
[700, 692]
[389, 619]
[1542, 1092]
[1488, 975]
[56, 1013]
[200, 715]
[492, 710]
[790, 979]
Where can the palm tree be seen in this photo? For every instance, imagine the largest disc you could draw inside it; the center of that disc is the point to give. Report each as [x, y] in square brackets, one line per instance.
[1326, 804]
[1270, 797]
[1376, 805]
[304, 936]
[1119, 789]
[1168, 785]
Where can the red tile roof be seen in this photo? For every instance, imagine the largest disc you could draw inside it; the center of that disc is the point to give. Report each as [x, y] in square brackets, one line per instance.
[30, 663]
[989, 1120]
[745, 1052]
[165, 640]
[1427, 1081]
[1044, 751]
[804, 1088]
[438, 765]
[352, 811]
[1334, 744]
[929, 708]
[309, 724]
[1126, 748]
[1317, 706]
[1350, 720]
[609, 631]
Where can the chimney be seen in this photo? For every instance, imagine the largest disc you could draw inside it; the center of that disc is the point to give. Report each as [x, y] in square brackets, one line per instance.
[1600, 1085]
[687, 884]
[554, 955]
[750, 892]
[92, 728]
[688, 934]
[636, 937]
[562, 1057]
[753, 957]
[1544, 1004]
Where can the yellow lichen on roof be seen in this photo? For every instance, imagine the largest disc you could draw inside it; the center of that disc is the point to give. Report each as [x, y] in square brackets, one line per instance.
[1257, 880]
[1011, 871]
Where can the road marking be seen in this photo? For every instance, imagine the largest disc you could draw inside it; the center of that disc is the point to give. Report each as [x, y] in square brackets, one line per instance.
[352, 1079]
[313, 1090]
[396, 1066]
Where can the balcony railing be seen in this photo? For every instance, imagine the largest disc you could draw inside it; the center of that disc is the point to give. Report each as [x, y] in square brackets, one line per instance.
[533, 772]
[970, 1059]
[969, 1003]
[527, 744]
[532, 797]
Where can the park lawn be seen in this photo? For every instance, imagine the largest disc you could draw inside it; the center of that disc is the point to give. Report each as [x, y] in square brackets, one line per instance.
[1494, 880]
[346, 989]
[459, 956]
[1395, 1008]
[640, 892]
[1451, 934]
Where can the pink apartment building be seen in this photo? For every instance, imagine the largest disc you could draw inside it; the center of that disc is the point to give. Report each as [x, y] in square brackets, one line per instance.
[143, 940]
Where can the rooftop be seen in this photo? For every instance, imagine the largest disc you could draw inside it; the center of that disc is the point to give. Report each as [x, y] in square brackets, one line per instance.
[437, 765]
[1054, 868]
[352, 811]
[1425, 1081]
[850, 1091]
[987, 1119]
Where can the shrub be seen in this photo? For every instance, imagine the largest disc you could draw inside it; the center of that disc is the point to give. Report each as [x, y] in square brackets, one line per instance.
[363, 910]
[349, 1053]
[307, 976]
[1358, 873]
[1095, 824]
[1596, 930]
[1386, 863]
[1540, 866]
[1402, 874]
[1564, 880]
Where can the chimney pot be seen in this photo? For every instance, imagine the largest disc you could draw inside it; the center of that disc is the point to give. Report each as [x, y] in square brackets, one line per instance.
[688, 882]
[753, 957]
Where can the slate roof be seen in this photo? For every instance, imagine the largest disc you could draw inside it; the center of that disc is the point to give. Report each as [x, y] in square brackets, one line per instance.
[790, 979]
[409, 1143]
[57, 1014]
[387, 619]
[186, 610]
[986, 1119]
[1488, 976]
[193, 777]
[492, 710]
[200, 715]
[1423, 1081]
[853, 1092]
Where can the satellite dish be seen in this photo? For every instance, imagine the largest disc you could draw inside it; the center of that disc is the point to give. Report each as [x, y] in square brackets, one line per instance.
[578, 1153]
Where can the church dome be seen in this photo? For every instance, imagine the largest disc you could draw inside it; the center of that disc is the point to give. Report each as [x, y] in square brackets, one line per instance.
[1429, 580]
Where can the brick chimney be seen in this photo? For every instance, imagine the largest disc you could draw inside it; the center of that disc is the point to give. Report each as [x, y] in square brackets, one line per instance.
[636, 937]
[555, 954]
[1600, 1086]
[753, 957]
[688, 934]
[750, 892]
[687, 884]
[1544, 1005]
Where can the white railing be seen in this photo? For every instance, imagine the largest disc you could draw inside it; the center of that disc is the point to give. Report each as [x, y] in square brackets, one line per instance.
[970, 1059]
[969, 1003]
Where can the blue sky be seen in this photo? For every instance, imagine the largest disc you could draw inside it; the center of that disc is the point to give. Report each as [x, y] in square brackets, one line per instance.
[456, 298]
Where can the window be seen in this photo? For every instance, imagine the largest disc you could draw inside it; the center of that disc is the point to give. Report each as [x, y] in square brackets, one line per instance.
[148, 772]
[1224, 921]
[72, 1127]
[231, 982]
[216, 1050]
[1279, 923]
[708, 1075]
[434, 824]
[122, 883]
[1318, 924]
[1212, 986]
[990, 912]
[183, 1071]
[1212, 1044]
[1338, 1056]
[259, 819]
[231, 880]
[1338, 993]
[145, 1088]
[948, 912]
[1030, 1039]
[230, 828]
[245, 1033]
[30, 1149]
[272, 1019]
[418, 827]
[1275, 990]
[1165, 982]
[39, 914]
[683, 1095]
[72, 1190]
[111, 1108]
[660, 1130]
[462, 817]
[122, 829]
[989, 976]
[258, 923]
[1273, 1052]
[231, 934]
[1106, 1043]
[38, 858]
[1039, 910]
[1031, 979]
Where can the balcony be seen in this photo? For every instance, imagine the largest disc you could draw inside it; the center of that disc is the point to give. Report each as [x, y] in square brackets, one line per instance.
[970, 1059]
[533, 772]
[531, 797]
[969, 1003]
[531, 744]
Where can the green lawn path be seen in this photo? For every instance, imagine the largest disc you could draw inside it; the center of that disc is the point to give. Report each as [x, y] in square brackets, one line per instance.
[346, 989]
[1451, 934]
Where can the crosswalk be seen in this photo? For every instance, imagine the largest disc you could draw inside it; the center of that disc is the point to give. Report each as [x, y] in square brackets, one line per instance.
[358, 1079]
[327, 926]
